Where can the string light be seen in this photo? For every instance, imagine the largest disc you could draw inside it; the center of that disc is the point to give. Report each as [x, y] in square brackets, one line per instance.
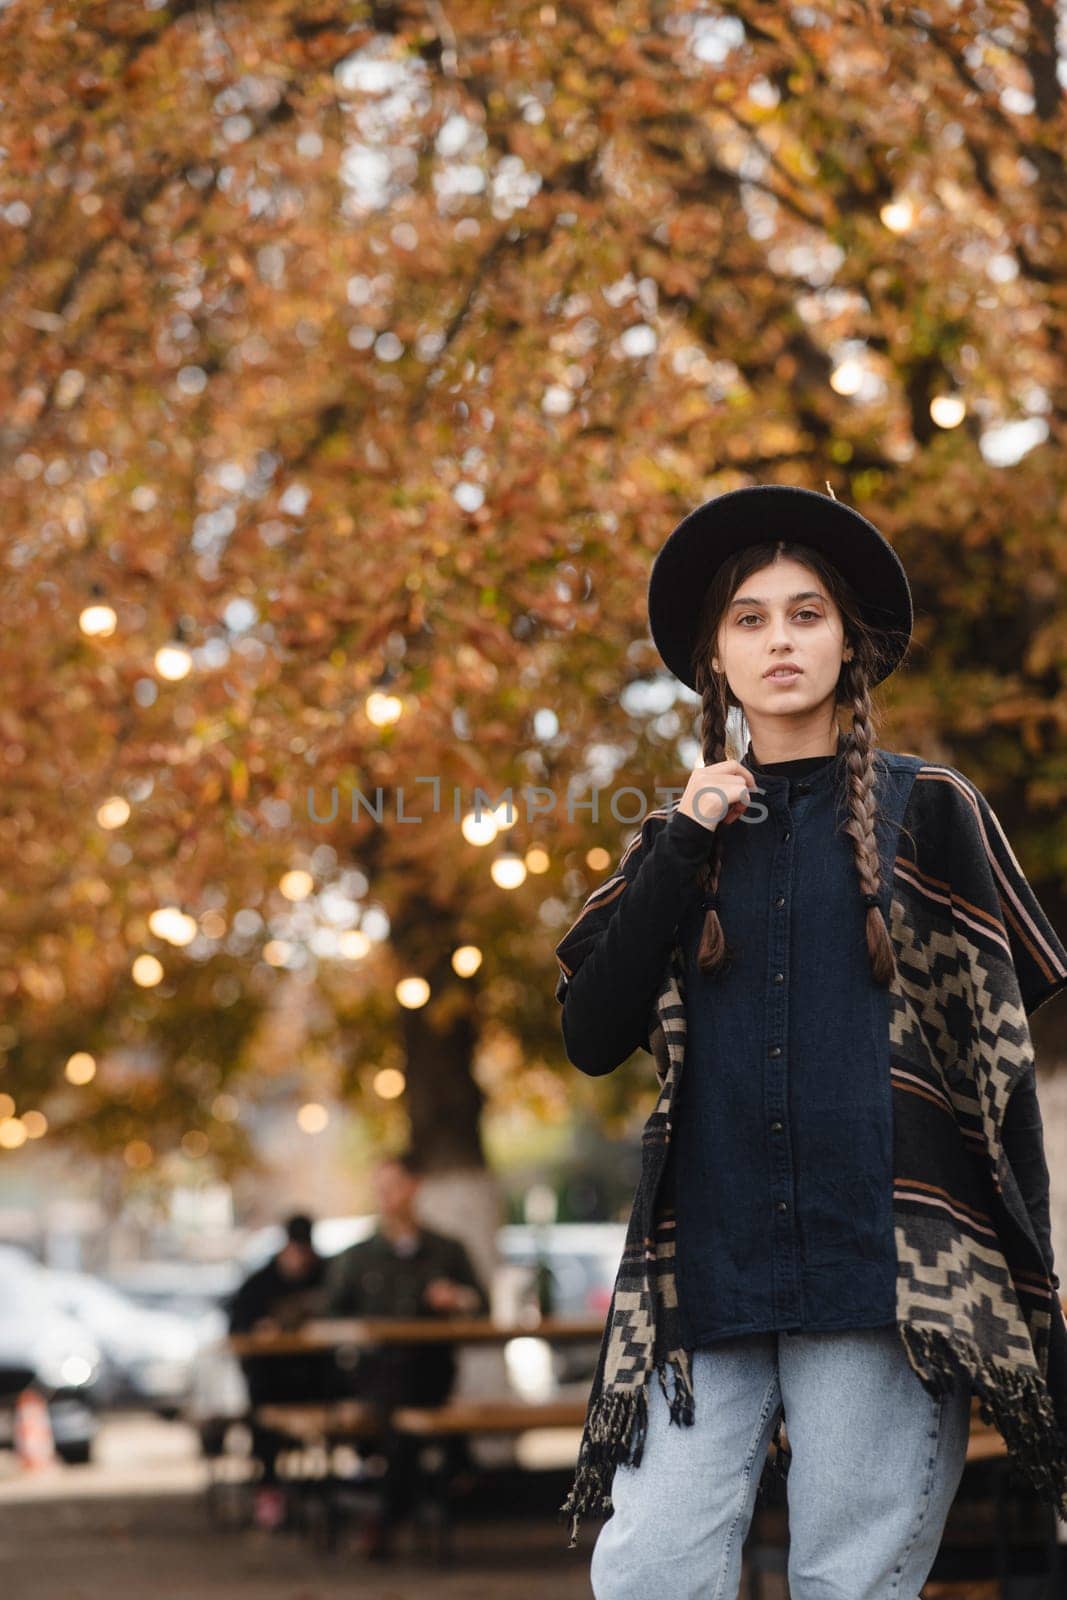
[147, 971]
[173, 925]
[508, 870]
[383, 709]
[312, 1117]
[173, 662]
[466, 960]
[297, 884]
[114, 812]
[412, 993]
[389, 1083]
[98, 622]
[81, 1068]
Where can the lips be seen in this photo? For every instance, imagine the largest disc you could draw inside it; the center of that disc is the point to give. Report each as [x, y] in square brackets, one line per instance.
[783, 672]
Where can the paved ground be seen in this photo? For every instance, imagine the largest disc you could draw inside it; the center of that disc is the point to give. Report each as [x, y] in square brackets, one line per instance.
[133, 1525]
[136, 1547]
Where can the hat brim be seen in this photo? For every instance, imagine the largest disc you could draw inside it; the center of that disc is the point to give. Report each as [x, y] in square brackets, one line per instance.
[710, 534]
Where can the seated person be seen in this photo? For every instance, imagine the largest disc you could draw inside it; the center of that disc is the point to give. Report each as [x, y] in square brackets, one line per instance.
[405, 1269]
[281, 1295]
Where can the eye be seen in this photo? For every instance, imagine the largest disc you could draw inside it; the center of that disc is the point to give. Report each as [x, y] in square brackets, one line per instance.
[806, 612]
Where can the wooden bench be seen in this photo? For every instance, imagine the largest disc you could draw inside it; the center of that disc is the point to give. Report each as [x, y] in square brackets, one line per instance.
[321, 1422]
[438, 1424]
[314, 1432]
[487, 1416]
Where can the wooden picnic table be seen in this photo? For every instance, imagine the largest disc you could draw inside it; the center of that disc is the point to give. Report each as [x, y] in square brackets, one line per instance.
[370, 1333]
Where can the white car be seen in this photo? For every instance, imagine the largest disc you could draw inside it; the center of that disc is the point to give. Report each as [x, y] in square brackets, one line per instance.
[43, 1348]
[149, 1355]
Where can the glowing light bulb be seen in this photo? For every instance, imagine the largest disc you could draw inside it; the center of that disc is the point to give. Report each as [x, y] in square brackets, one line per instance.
[383, 709]
[114, 812]
[948, 410]
[897, 215]
[508, 871]
[466, 960]
[173, 662]
[481, 829]
[81, 1068]
[412, 993]
[147, 971]
[847, 378]
[312, 1117]
[297, 884]
[98, 622]
[173, 925]
[389, 1083]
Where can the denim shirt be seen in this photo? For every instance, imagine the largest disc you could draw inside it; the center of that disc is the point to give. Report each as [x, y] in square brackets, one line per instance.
[782, 1164]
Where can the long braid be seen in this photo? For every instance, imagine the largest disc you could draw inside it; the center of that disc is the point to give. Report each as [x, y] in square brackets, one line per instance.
[859, 763]
[712, 950]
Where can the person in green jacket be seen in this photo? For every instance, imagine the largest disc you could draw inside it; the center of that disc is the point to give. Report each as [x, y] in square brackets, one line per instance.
[405, 1269]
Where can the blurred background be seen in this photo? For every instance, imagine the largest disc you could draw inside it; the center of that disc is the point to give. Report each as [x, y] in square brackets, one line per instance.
[356, 358]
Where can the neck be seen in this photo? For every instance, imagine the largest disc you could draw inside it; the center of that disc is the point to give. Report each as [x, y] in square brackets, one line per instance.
[777, 743]
[398, 1227]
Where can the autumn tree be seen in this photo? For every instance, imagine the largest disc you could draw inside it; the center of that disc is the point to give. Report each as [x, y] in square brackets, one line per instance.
[358, 357]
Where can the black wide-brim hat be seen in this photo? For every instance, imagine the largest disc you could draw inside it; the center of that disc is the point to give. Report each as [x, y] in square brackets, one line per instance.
[714, 531]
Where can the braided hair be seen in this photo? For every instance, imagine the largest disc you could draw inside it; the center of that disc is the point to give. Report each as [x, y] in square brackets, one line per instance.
[857, 744]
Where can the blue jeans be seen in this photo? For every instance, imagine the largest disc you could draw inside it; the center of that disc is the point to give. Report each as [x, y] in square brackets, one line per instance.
[876, 1462]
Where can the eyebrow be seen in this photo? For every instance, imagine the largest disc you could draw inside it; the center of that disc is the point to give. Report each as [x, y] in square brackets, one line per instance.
[751, 600]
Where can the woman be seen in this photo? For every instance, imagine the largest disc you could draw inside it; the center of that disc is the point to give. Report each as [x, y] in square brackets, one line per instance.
[842, 1220]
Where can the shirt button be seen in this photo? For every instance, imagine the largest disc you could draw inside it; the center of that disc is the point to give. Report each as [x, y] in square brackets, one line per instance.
[775, 1050]
[779, 977]
[788, 834]
[776, 1127]
[803, 788]
[780, 900]
[781, 1206]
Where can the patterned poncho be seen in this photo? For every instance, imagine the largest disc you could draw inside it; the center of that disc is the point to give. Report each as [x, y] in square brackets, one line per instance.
[976, 1289]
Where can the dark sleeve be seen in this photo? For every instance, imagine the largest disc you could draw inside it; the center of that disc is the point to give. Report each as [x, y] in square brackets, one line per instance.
[250, 1303]
[613, 957]
[1023, 1138]
[461, 1270]
[339, 1292]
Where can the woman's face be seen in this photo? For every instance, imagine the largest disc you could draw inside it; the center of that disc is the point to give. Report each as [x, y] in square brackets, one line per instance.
[781, 615]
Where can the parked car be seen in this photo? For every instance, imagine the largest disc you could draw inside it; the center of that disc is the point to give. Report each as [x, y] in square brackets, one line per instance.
[197, 1290]
[43, 1348]
[149, 1354]
[578, 1262]
[582, 1258]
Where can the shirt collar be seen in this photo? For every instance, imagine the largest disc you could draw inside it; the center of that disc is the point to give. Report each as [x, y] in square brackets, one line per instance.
[815, 779]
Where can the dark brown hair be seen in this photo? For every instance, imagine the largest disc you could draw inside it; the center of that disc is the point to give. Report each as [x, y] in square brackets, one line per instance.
[858, 743]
